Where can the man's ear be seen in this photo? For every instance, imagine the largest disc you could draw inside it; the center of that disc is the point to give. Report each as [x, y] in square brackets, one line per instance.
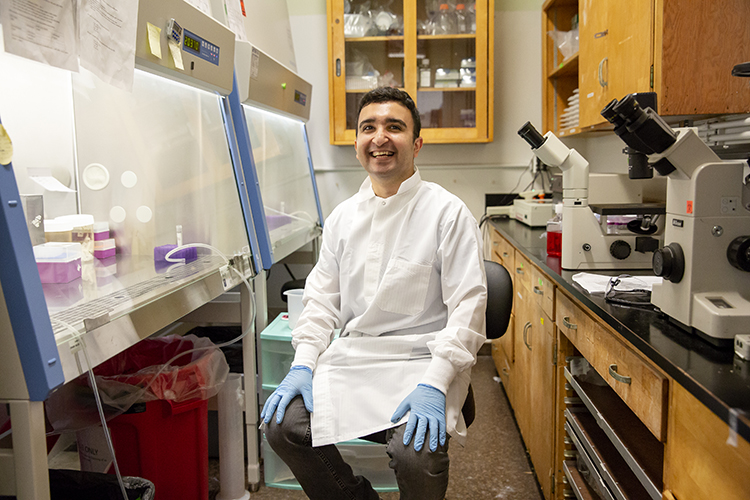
[355, 149]
[417, 145]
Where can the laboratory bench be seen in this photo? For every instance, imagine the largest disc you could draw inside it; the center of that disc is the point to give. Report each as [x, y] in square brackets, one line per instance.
[686, 408]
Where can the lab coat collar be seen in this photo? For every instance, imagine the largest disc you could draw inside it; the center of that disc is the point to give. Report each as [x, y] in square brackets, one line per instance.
[366, 193]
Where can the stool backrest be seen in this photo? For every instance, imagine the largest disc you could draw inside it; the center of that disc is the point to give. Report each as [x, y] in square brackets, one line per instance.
[499, 299]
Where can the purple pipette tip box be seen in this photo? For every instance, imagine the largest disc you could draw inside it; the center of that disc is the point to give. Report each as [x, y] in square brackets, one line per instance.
[190, 253]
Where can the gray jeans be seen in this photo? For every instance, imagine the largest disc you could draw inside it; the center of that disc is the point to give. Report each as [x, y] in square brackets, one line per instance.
[324, 475]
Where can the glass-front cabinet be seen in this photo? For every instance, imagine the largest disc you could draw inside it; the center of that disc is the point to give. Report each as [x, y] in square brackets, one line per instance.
[439, 51]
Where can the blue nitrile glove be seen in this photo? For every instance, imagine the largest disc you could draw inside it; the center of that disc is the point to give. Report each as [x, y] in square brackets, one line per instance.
[427, 405]
[297, 381]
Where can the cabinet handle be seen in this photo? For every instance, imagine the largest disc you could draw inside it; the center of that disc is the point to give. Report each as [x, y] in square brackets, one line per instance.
[506, 372]
[617, 376]
[601, 72]
[495, 243]
[568, 324]
[338, 67]
[505, 254]
[519, 270]
[538, 291]
[526, 328]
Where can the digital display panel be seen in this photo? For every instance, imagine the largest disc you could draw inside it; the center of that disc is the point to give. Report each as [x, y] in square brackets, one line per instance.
[192, 44]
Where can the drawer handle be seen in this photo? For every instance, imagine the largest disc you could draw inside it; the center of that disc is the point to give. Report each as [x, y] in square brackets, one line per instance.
[506, 372]
[495, 244]
[617, 376]
[519, 270]
[568, 324]
[538, 291]
[506, 254]
[526, 328]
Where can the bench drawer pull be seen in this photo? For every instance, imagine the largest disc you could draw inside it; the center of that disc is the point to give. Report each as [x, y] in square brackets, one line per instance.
[568, 324]
[617, 376]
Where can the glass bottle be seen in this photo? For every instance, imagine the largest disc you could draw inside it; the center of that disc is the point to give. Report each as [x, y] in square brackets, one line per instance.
[425, 76]
[445, 22]
[554, 233]
[461, 19]
[471, 18]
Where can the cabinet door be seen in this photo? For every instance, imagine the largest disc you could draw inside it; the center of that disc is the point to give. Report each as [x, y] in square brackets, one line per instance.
[616, 55]
[521, 391]
[705, 459]
[453, 98]
[594, 35]
[630, 50]
[540, 437]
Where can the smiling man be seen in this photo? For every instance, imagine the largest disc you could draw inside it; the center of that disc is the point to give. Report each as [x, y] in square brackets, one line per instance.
[401, 274]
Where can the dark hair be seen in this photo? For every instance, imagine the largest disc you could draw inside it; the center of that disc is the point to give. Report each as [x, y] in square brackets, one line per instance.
[388, 94]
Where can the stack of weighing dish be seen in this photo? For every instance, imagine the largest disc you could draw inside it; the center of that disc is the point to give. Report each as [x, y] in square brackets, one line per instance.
[569, 116]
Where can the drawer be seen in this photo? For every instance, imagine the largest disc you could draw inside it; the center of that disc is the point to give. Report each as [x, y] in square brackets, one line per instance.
[503, 252]
[640, 384]
[522, 270]
[543, 290]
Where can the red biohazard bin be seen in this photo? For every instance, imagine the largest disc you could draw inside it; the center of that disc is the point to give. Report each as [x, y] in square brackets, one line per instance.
[162, 440]
[167, 444]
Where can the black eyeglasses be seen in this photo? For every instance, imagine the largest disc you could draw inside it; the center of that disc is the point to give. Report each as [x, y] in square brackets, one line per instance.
[636, 291]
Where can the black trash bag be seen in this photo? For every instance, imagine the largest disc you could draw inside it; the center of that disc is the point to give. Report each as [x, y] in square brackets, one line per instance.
[77, 485]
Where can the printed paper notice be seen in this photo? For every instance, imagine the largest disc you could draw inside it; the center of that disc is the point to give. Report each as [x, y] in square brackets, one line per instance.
[41, 30]
[107, 43]
[235, 18]
[201, 5]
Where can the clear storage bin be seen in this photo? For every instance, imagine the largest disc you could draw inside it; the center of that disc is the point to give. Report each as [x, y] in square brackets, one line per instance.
[366, 459]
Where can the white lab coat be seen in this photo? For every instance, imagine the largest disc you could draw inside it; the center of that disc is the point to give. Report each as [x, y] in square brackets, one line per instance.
[403, 277]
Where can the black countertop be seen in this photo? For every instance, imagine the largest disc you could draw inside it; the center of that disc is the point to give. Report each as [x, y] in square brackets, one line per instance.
[715, 376]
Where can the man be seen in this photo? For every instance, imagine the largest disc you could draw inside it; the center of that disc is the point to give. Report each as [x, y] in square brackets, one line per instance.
[401, 274]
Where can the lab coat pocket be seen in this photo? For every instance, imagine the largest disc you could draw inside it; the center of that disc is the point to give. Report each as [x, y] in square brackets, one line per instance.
[404, 288]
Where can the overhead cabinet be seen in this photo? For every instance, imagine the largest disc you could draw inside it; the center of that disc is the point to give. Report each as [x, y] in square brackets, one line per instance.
[684, 52]
[440, 53]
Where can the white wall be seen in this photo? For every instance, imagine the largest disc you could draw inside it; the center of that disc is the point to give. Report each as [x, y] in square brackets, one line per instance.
[468, 170]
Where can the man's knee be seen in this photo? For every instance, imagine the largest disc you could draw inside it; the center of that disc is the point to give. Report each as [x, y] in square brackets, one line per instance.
[293, 430]
[408, 460]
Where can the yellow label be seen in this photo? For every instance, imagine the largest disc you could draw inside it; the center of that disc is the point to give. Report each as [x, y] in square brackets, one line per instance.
[154, 39]
[541, 320]
[6, 147]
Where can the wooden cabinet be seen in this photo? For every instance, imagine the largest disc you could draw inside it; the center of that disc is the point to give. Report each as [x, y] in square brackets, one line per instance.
[654, 438]
[449, 75]
[682, 51]
[525, 359]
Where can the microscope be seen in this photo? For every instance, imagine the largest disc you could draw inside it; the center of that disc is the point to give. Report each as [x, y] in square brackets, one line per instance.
[587, 243]
[706, 252]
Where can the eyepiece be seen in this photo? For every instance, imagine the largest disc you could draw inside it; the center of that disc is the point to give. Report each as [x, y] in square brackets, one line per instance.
[611, 115]
[531, 135]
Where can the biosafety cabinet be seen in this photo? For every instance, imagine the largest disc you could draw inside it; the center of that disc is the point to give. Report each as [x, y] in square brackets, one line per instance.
[117, 179]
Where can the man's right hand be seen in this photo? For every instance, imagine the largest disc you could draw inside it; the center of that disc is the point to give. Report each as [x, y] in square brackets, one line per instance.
[297, 381]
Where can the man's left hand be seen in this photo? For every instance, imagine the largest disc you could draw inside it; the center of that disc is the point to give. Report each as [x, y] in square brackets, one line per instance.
[427, 406]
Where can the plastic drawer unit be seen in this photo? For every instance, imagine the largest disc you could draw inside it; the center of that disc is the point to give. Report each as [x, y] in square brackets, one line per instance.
[277, 353]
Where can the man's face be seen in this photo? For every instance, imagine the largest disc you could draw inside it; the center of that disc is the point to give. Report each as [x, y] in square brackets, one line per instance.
[385, 142]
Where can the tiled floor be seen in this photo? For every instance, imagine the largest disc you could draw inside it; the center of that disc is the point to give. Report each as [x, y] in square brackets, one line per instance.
[493, 465]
